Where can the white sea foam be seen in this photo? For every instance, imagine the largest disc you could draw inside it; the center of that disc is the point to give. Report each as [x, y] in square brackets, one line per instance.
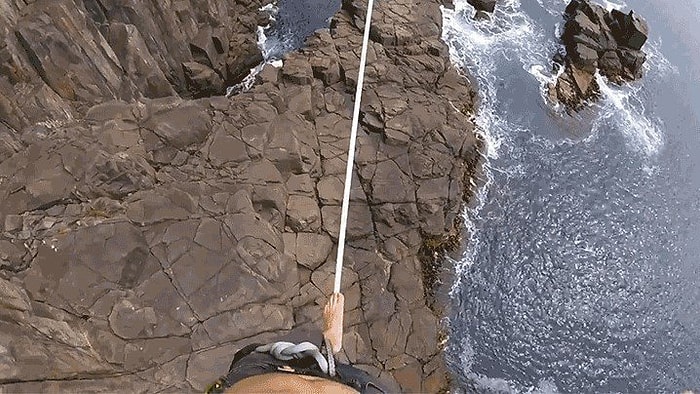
[613, 5]
[271, 8]
[499, 385]
[622, 108]
[657, 65]
[479, 46]
[556, 7]
[269, 49]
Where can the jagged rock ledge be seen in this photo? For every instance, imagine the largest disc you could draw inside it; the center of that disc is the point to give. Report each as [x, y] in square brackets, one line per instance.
[597, 41]
[145, 238]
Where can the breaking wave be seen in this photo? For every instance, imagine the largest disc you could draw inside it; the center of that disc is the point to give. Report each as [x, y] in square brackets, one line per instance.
[554, 201]
[479, 47]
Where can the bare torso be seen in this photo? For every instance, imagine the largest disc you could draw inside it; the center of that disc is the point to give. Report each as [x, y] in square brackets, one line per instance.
[280, 382]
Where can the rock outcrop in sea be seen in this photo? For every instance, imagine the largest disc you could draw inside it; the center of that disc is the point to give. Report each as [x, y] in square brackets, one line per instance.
[483, 5]
[597, 41]
[148, 232]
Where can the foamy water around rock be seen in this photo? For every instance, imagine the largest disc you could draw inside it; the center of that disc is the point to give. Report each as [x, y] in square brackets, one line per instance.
[581, 273]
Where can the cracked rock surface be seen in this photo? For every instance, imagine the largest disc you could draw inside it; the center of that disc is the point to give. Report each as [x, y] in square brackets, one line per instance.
[147, 234]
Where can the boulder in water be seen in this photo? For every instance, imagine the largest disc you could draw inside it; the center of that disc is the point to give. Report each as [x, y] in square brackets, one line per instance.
[598, 40]
[610, 63]
[585, 57]
[636, 32]
[483, 5]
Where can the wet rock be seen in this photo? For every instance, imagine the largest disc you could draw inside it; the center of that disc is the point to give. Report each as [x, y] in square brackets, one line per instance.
[583, 80]
[483, 5]
[610, 63]
[596, 39]
[632, 62]
[636, 31]
[569, 88]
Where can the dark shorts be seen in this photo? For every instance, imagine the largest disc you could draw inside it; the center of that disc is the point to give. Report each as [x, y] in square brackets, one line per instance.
[247, 362]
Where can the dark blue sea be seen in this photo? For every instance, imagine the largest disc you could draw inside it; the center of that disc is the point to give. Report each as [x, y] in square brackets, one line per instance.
[583, 270]
[294, 21]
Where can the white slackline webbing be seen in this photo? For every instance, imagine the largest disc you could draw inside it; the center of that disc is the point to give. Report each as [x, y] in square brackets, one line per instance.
[351, 151]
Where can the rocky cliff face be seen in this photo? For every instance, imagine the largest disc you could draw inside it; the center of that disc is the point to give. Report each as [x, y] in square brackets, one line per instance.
[56, 54]
[146, 236]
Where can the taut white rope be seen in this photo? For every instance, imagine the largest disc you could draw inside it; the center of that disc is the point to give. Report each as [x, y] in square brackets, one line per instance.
[351, 151]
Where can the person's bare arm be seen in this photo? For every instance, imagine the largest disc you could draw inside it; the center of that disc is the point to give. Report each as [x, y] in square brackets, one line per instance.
[333, 321]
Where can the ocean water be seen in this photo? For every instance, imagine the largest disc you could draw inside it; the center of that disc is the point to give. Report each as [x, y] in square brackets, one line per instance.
[583, 272]
[293, 21]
